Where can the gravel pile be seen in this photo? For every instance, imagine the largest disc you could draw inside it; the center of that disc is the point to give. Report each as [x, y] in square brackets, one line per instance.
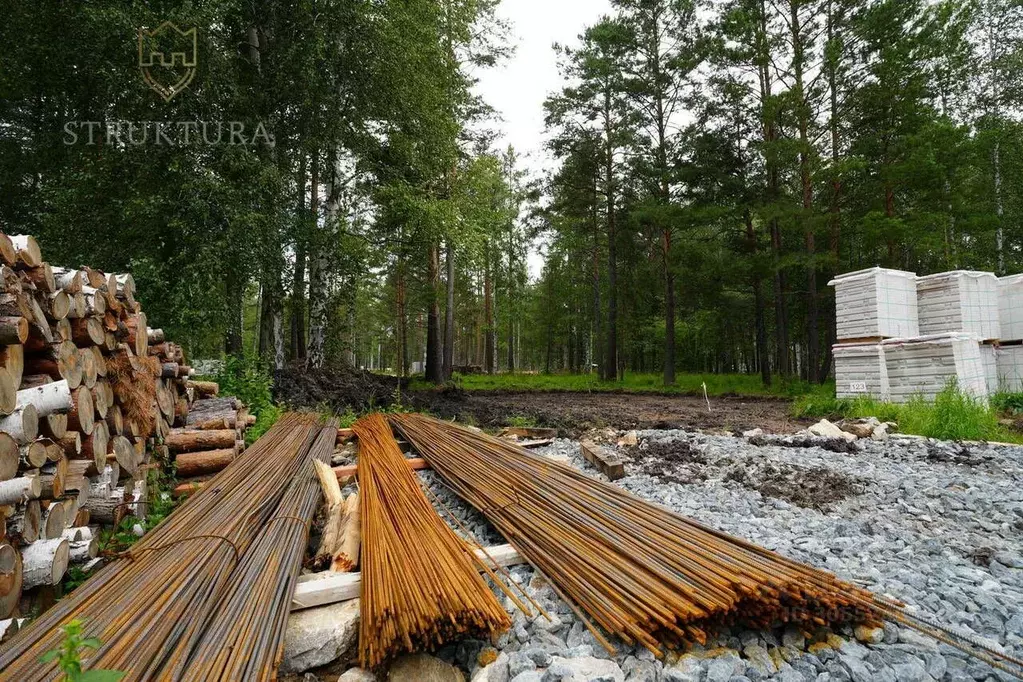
[937, 525]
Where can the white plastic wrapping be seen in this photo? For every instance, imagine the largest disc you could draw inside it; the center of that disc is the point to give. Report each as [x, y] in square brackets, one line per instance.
[924, 366]
[860, 371]
[961, 301]
[876, 303]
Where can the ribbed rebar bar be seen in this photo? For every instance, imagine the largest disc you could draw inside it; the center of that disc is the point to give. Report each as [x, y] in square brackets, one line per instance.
[639, 571]
[149, 606]
[420, 583]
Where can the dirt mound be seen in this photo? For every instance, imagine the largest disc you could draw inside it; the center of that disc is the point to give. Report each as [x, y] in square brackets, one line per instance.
[336, 389]
[809, 487]
[675, 462]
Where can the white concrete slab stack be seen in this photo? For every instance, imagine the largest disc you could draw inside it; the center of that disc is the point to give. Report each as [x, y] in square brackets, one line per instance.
[860, 371]
[1010, 308]
[876, 303]
[925, 365]
[989, 356]
[961, 301]
[1010, 368]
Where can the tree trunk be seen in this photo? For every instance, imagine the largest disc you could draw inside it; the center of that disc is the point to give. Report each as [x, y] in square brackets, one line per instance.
[403, 354]
[490, 334]
[298, 302]
[449, 313]
[434, 355]
[319, 271]
[669, 313]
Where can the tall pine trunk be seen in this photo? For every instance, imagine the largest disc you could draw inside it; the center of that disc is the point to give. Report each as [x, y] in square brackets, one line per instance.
[434, 352]
[806, 185]
[490, 333]
[611, 365]
[449, 313]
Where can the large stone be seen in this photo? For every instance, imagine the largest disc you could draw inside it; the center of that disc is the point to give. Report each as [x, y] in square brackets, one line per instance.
[584, 669]
[494, 672]
[861, 428]
[319, 636]
[357, 675]
[423, 668]
[688, 668]
[826, 429]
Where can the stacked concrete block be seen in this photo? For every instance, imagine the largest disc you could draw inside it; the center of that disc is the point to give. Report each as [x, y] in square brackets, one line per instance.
[989, 356]
[1010, 368]
[1010, 308]
[961, 301]
[877, 303]
[925, 365]
[860, 371]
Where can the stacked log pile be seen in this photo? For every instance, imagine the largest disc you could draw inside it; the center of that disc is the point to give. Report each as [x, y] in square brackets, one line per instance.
[211, 436]
[85, 384]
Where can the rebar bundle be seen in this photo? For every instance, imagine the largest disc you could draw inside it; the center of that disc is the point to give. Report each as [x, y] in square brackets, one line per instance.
[149, 607]
[244, 639]
[639, 571]
[420, 583]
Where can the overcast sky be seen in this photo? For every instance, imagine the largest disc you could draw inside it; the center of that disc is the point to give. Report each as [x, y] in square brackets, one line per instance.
[517, 88]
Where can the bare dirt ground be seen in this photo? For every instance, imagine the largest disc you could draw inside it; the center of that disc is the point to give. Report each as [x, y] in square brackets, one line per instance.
[575, 413]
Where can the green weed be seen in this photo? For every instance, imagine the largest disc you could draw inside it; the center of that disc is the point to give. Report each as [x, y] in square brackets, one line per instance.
[521, 422]
[69, 657]
[954, 414]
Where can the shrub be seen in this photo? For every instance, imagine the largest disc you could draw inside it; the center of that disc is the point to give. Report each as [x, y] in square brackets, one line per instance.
[251, 381]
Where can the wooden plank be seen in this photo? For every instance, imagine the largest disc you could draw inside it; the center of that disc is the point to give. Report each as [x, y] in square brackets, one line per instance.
[530, 432]
[350, 470]
[609, 464]
[319, 589]
[529, 444]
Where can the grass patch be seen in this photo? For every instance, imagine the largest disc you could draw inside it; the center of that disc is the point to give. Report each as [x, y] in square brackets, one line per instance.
[685, 384]
[954, 414]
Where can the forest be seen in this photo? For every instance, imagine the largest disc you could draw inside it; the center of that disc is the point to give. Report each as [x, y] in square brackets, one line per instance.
[717, 162]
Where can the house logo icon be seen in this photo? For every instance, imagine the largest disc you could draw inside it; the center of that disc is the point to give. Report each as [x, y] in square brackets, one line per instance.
[167, 58]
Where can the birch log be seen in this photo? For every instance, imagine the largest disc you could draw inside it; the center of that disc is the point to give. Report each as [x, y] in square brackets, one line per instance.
[28, 250]
[18, 490]
[45, 562]
[48, 399]
[54, 521]
[22, 424]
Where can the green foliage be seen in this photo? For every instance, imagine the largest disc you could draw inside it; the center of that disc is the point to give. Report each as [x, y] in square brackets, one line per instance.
[251, 381]
[69, 656]
[954, 414]
[521, 422]
[75, 576]
[1010, 403]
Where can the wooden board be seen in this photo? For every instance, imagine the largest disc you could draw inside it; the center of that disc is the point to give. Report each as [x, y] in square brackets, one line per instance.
[350, 470]
[319, 589]
[609, 464]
